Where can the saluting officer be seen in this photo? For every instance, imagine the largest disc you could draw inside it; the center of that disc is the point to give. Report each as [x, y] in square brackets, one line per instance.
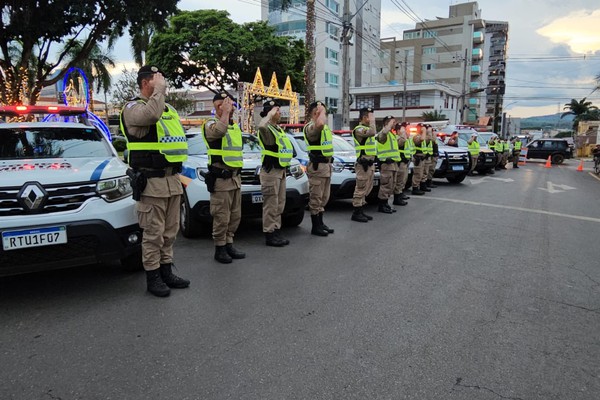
[319, 144]
[495, 144]
[366, 149]
[277, 153]
[516, 151]
[434, 153]
[405, 150]
[418, 159]
[427, 147]
[506, 150]
[223, 140]
[157, 146]
[473, 146]
[388, 157]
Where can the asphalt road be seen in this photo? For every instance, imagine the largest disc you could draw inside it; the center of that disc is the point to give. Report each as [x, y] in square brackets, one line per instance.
[485, 290]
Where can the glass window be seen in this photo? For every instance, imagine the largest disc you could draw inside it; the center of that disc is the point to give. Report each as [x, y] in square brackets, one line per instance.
[340, 144]
[429, 50]
[332, 79]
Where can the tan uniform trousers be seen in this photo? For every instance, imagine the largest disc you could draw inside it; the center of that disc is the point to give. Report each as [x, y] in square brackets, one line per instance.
[364, 184]
[431, 171]
[499, 162]
[505, 157]
[401, 178]
[272, 186]
[159, 218]
[319, 187]
[426, 164]
[387, 182]
[473, 163]
[226, 210]
[516, 155]
[418, 173]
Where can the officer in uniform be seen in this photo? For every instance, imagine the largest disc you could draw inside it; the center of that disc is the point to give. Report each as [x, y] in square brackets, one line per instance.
[223, 140]
[277, 153]
[319, 144]
[506, 152]
[496, 145]
[433, 157]
[473, 146]
[388, 157]
[405, 156]
[366, 150]
[428, 159]
[516, 151]
[157, 146]
[418, 159]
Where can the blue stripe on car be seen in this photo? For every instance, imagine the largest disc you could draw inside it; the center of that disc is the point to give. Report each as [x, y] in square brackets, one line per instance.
[189, 172]
[98, 171]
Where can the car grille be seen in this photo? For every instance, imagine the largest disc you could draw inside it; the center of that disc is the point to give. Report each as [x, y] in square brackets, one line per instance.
[78, 247]
[349, 166]
[249, 177]
[457, 159]
[60, 198]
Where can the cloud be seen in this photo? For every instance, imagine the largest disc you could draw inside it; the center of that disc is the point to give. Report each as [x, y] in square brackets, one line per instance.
[579, 30]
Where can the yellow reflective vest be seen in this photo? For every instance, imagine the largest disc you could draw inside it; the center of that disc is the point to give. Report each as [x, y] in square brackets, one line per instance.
[388, 150]
[284, 152]
[325, 146]
[229, 150]
[369, 148]
[474, 148]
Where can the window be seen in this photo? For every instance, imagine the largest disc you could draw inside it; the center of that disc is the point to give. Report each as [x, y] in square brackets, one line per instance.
[199, 106]
[333, 5]
[333, 30]
[428, 67]
[412, 99]
[332, 79]
[429, 50]
[365, 101]
[429, 34]
[332, 104]
[331, 55]
[412, 35]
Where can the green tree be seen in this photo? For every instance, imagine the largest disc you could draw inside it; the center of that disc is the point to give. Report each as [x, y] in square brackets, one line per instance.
[125, 89]
[31, 29]
[434, 115]
[582, 110]
[140, 42]
[182, 101]
[205, 48]
[95, 65]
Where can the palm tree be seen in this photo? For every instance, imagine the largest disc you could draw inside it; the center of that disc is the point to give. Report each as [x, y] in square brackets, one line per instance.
[434, 115]
[140, 42]
[582, 110]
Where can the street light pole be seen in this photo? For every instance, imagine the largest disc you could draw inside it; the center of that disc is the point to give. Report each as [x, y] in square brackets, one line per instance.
[404, 79]
[346, 34]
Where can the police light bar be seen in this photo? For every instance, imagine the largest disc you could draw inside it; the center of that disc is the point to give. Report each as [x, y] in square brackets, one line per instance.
[15, 111]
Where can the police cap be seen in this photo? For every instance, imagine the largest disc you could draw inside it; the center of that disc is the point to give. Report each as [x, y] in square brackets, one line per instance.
[364, 111]
[147, 71]
[387, 118]
[268, 105]
[314, 105]
[222, 96]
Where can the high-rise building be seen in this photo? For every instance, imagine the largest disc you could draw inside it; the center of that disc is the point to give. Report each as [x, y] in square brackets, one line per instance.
[364, 50]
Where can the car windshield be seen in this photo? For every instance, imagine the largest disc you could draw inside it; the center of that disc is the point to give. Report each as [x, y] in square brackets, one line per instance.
[339, 144]
[52, 142]
[197, 146]
[464, 137]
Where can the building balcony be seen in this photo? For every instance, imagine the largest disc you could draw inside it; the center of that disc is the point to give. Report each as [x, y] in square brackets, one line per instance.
[475, 85]
[477, 54]
[473, 102]
[475, 70]
[478, 37]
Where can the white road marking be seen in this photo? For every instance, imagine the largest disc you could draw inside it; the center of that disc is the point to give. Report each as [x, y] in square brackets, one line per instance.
[487, 178]
[594, 175]
[530, 210]
[552, 188]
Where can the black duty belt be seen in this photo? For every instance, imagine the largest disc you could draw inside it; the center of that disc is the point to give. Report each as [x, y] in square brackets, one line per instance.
[160, 173]
[224, 173]
[318, 158]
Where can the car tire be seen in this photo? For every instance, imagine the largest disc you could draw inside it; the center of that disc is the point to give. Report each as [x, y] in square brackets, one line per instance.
[294, 219]
[558, 159]
[133, 262]
[189, 227]
[457, 179]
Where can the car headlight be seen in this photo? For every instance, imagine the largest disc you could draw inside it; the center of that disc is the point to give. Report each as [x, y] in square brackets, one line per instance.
[200, 171]
[114, 189]
[297, 171]
[338, 166]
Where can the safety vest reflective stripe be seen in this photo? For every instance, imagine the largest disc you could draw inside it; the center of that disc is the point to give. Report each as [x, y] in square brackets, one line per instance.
[428, 148]
[389, 149]
[474, 148]
[369, 147]
[415, 147]
[517, 146]
[407, 150]
[326, 142]
[285, 150]
[231, 147]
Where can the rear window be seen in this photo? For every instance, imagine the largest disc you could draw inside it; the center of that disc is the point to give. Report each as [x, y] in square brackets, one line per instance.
[52, 142]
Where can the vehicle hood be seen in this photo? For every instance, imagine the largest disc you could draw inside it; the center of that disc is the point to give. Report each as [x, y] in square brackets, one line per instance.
[49, 171]
[451, 150]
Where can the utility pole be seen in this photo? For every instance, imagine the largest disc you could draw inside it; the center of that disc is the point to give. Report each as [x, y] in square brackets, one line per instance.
[464, 88]
[404, 79]
[346, 35]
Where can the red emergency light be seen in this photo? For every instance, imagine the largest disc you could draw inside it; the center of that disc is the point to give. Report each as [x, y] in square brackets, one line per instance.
[14, 111]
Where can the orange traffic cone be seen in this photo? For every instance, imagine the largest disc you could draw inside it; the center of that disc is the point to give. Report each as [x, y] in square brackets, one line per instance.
[580, 168]
[548, 162]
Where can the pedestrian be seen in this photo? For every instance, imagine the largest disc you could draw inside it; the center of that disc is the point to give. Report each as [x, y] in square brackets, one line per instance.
[157, 147]
[418, 159]
[224, 142]
[388, 157]
[405, 151]
[432, 148]
[516, 151]
[474, 149]
[277, 152]
[366, 150]
[319, 144]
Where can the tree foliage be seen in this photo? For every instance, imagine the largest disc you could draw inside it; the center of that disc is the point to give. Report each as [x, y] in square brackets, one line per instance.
[30, 31]
[125, 89]
[434, 115]
[205, 48]
[583, 110]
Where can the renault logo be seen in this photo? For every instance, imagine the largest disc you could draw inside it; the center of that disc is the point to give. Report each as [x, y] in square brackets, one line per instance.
[32, 196]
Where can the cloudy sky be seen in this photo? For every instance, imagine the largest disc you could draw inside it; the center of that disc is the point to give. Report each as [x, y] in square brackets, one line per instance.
[554, 45]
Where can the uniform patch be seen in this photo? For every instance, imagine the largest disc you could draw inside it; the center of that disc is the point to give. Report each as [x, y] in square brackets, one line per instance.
[131, 104]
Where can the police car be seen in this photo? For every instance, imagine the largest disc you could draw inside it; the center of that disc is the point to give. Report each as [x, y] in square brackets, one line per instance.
[65, 199]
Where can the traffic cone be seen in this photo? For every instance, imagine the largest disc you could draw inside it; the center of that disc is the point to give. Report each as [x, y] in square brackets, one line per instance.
[580, 168]
[548, 162]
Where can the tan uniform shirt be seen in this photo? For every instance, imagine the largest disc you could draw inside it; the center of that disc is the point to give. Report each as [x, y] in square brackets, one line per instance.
[216, 130]
[362, 133]
[266, 136]
[138, 118]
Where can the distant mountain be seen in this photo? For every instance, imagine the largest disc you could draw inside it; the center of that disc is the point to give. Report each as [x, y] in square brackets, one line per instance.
[552, 121]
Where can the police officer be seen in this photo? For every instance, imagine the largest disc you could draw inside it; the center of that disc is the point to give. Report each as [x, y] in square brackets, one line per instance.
[496, 145]
[319, 144]
[277, 153]
[157, 146]
[388, 157]
[473, 146]
[434, 153]
[366, 149]
[506, 152]
[427, 147]
[405, 151]
[516, 151]
[223, 140]
[418, 159]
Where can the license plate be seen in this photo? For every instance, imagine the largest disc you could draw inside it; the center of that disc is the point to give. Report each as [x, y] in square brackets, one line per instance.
[257, 198]
[14, 240]
[458, 168]
[376, 182]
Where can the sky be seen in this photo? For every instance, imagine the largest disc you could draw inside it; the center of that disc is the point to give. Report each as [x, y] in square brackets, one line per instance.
[553, 55]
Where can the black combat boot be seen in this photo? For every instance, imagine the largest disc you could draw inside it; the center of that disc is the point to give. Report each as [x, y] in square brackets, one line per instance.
[362, 211]
[405, 197]
[233, 252]
[221, 255]
[398, 200]
[278, 234]
[271, 239]
[358, 216]
[384, 207]
[430, 184]
[424, 187]
[155, 284]
[325, 227]
[317, 228]
[170, 279]
[417, 192]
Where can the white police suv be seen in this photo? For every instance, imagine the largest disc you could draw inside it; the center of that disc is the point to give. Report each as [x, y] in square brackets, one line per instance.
[65, 199]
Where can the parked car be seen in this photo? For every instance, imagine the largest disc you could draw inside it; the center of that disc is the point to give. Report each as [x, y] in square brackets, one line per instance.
[487, 158]
[556, 149]
[453, 163]
[195, 206]
[65, 198]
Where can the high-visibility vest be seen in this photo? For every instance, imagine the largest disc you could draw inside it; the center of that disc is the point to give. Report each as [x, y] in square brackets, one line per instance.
[474, 148]
[285, 150]
[369, 148]
[428, 147]
[388, 150]
[416, 149]
[407, 150]
[166, 137]
[229, 150]
[325, 146]
[506, 146]
[517, 145]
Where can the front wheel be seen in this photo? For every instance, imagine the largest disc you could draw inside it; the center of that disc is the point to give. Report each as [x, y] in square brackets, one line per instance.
[188, 225]
[597, 167]
[557, 159]
[457, 179]
[294, 219]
